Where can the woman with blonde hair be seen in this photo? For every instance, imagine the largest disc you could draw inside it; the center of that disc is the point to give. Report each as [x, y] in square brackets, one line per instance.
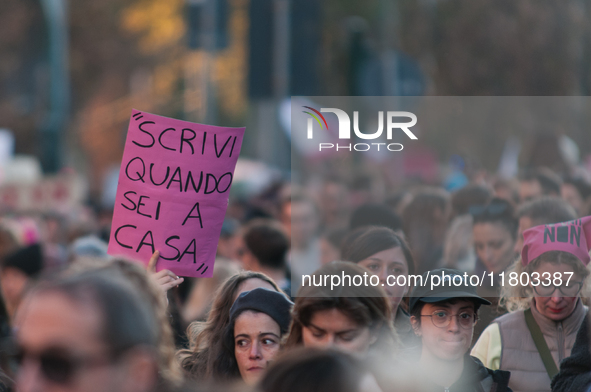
[543, 294]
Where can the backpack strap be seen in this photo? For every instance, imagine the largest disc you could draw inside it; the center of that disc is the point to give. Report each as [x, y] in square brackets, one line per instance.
[540, 342]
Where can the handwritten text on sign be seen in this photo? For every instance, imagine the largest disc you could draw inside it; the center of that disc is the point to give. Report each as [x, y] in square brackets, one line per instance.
[173, 191]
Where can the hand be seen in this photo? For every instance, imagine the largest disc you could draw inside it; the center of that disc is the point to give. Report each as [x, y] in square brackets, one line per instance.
[165, 278]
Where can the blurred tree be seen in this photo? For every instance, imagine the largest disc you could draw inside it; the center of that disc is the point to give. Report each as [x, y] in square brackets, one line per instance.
[24, 78]
[127, 53]
[489, 47]
[497, 47]
[123, 54]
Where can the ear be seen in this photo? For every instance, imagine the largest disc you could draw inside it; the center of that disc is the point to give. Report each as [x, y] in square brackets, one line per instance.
[416, 326]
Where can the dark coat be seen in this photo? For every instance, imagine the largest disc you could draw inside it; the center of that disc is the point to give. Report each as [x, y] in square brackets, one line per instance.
[575, 371]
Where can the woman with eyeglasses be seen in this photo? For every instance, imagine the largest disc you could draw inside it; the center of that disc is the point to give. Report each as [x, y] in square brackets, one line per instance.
[494, 232]
[443, 317]
[543, 294]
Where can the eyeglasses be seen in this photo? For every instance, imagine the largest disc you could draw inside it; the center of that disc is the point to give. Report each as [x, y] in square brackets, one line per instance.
[570, 290]
[58, 365]
[442, 318]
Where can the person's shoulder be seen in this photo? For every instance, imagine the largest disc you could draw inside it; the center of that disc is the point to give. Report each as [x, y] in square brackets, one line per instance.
[489, 345]
[575, 371]
[511, 318]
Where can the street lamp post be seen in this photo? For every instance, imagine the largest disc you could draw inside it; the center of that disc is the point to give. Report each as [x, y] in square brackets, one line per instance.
[59, 99]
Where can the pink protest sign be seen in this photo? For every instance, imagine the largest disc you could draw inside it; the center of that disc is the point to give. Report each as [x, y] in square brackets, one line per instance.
[173, 192]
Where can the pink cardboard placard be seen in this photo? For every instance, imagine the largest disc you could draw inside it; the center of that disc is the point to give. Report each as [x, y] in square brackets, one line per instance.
[173, 192]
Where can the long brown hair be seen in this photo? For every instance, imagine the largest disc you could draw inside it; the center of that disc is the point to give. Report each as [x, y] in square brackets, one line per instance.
[374, 240]
[206, 357]
[367, 305]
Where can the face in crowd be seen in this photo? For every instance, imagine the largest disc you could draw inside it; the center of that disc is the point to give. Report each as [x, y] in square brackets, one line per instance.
[257, 339]
[300, 220]
[348, 318]
[389, 262]
[332, 328]
[557, 302]
[529, 190]
[445, 329]
[259, 318]
[61, 348]
[572, 196]
[328, 252]
[525, 222]
[384, 254]
[494, 245]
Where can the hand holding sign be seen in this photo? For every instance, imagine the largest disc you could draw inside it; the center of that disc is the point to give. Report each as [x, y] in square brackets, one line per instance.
[166, 279]
[173, 191]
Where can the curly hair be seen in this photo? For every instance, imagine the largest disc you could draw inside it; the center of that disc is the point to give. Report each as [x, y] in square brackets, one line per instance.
[519, 297]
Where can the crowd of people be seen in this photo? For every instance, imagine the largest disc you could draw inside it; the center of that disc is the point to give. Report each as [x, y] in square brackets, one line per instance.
[510, 315]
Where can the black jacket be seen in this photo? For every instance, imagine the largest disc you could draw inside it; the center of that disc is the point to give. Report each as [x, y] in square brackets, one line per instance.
[575, 371]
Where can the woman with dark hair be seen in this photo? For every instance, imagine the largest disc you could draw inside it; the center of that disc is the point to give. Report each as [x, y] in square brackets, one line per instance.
[258, 320]
[202, 361]
[354, 318]
[313, 370]
[494, 230]
[425, 220]
[386, 255]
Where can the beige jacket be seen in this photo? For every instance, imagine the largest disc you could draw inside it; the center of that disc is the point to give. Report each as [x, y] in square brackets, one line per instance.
[507, 344]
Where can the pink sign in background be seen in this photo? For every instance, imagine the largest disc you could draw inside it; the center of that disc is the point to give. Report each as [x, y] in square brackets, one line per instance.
[173, 191]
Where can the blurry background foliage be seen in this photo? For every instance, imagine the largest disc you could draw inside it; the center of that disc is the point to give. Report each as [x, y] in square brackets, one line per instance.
[135, 53]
